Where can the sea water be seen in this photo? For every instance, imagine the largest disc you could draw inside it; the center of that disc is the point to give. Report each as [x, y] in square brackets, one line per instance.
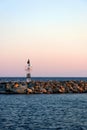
[43, 78]
[43, 112]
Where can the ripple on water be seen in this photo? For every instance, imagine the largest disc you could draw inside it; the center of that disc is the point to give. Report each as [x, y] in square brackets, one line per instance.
[54, 111]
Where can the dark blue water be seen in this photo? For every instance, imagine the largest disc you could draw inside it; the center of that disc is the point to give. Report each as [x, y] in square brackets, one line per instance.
[43, 78]
[39, 111]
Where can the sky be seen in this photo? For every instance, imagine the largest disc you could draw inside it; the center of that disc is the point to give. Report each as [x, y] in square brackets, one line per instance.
[51, 33]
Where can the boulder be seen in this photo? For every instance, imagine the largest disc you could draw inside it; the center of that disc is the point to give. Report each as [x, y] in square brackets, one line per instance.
[29, 91]
[43, 90]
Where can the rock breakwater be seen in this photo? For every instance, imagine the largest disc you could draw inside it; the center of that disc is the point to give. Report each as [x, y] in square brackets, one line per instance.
[43, 87]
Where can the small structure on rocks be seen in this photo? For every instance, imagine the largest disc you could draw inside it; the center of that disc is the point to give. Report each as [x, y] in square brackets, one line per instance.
[28, 70]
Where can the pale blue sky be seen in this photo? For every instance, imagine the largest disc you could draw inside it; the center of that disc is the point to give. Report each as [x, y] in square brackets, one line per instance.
[52, 33]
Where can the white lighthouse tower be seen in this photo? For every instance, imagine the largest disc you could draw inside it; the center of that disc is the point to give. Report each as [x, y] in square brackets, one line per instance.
[28, 70]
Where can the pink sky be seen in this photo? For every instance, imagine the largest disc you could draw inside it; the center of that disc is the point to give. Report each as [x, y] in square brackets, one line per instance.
[54, 39]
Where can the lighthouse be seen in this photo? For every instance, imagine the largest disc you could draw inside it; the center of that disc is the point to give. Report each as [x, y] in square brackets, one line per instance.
[28, 70]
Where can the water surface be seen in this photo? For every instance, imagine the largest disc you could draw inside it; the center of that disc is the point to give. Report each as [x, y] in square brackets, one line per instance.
[43, 111]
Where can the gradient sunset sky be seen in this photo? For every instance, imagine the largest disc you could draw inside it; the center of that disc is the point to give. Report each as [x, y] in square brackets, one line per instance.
[51, 33]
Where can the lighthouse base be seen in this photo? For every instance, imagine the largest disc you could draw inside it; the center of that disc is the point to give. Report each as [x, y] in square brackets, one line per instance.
[28, 80]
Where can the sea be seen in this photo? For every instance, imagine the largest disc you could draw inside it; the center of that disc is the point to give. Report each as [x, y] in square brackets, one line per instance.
[43, 111]
[43, 78]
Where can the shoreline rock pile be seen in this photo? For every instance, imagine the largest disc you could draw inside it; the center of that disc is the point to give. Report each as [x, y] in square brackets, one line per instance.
[43, 87]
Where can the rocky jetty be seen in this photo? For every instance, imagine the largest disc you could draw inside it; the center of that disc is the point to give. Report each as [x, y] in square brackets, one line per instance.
[43, 87]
